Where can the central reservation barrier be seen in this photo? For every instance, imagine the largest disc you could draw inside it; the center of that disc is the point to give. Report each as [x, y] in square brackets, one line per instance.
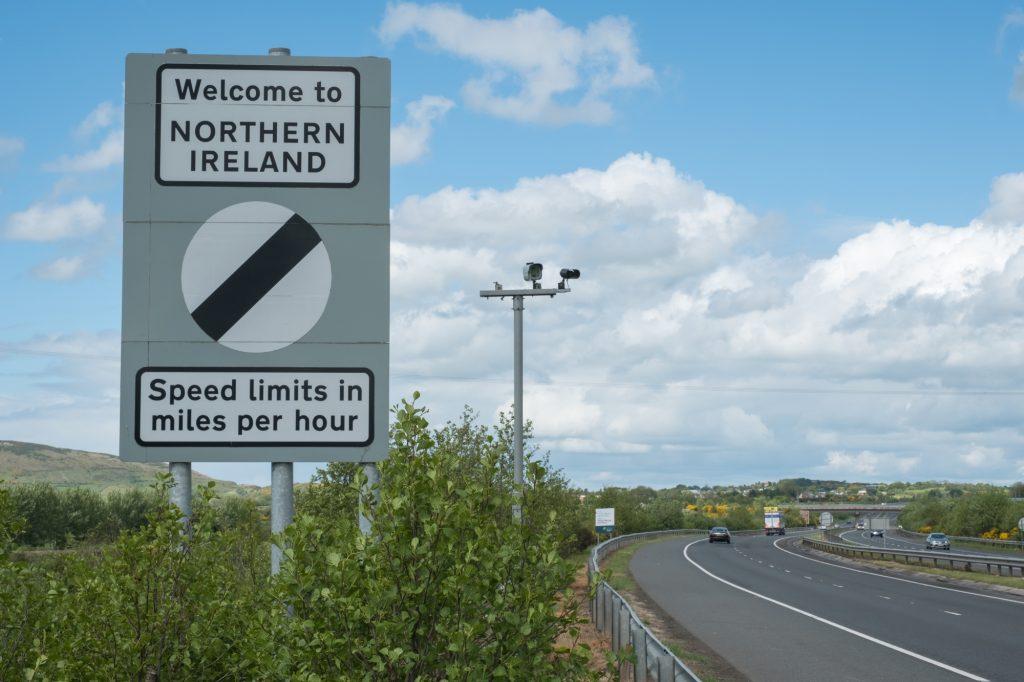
[1009, 567]
[987, 543]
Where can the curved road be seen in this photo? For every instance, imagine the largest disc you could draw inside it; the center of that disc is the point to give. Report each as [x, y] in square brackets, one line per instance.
[863, 538]
[776, 614]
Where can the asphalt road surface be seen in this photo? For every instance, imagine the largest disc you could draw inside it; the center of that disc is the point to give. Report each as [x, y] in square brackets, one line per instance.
[780, 615]
[892, 541]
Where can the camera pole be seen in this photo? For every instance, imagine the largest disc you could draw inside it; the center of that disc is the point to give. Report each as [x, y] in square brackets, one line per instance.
[531, 273]
[517, 409]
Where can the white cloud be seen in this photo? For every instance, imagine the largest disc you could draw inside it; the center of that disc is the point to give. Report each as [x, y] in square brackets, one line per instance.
[103, 116]
[51, 222]
[683, 356]
[715, 359]
[639, 215]
[868, 464]
[60, 269]
[109, 153]
[10, 147]
[981, 456]
[535, 67]
[410, 141]
[65, 392]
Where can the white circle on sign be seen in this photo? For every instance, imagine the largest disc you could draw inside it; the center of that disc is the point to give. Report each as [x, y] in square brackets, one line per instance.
[256, 277]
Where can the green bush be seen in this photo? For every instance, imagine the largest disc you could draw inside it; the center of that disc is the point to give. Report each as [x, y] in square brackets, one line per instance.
[447, 585]
[129, 508]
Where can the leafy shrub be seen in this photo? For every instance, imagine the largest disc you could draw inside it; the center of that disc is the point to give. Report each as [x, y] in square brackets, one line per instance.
[448, 585]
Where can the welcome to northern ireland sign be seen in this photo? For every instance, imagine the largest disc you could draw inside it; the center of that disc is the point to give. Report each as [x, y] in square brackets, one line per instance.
[255, 313]
[257, 124]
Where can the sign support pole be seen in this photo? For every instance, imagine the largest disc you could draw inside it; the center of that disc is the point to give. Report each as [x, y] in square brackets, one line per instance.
[517, 410]
[181, 493]
[370, 486]
[282, 507]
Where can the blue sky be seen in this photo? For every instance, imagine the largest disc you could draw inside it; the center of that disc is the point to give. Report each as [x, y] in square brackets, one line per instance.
[823, 126]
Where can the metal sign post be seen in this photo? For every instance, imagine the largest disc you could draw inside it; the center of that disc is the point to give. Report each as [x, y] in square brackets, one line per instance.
[532, 273]
[255, 314]
[181, 493]
[1020, 532]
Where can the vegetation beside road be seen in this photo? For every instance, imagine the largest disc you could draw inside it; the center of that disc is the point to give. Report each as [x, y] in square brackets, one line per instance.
[987, 512]
[448, 585]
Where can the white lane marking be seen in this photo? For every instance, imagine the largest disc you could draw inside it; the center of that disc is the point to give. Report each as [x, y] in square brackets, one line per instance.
[834, 585]
[952, 613]
[807, 577]
[884, 597]
[771, 565]
[902, 580]
[826, 621]
[788, 571]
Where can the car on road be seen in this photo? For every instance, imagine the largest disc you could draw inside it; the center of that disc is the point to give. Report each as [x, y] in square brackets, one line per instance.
[936, 541]
[719, 534]
[860, 525]
[877, 533]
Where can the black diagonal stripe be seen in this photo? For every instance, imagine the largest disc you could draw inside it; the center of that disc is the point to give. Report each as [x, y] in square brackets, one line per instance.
[256, 277]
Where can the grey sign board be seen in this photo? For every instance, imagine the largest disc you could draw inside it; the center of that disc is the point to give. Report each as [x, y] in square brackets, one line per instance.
[255, 306]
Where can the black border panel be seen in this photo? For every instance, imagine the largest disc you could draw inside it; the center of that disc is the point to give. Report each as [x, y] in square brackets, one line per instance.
[253, 67]
[231, 444]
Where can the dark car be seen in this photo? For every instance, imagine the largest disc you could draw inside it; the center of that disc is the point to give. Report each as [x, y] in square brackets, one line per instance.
[936, 541]
[877, 533]
[719, 534]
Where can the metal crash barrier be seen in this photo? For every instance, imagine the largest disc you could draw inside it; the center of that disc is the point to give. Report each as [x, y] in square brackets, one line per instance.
[973, 563]
[615, 618]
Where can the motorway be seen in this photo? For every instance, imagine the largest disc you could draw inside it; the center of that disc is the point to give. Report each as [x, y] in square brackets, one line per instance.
[891, 541]
[777, 614]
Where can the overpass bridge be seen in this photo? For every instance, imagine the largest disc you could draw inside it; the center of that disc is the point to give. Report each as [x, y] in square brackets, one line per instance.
[894, 507]
[888, 509]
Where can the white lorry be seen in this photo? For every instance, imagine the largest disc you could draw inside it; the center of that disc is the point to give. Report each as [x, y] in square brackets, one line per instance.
[774, 524]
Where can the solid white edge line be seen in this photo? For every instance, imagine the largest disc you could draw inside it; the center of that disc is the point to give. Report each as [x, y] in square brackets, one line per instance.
[902, 580]
[856, 633]
[952, 613]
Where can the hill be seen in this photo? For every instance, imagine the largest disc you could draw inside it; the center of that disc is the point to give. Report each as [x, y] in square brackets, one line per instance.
[64, 468]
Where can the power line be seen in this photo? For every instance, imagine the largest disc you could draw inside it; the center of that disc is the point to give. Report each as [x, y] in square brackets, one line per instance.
[666, 386]
[670, 386]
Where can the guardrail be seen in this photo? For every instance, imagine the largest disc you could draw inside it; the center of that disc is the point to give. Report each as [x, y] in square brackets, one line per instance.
[937, 558]
[1002, 544]
[614, 617]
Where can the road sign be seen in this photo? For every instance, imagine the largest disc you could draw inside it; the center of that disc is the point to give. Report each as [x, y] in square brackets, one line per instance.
[826, 518]
[266, 124]
[1020, 524]
[604, 520]
[256, 266]
[256, 277]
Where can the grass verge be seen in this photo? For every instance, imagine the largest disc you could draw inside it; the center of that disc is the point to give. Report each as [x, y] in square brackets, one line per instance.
[971, 576]
[616, 567]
